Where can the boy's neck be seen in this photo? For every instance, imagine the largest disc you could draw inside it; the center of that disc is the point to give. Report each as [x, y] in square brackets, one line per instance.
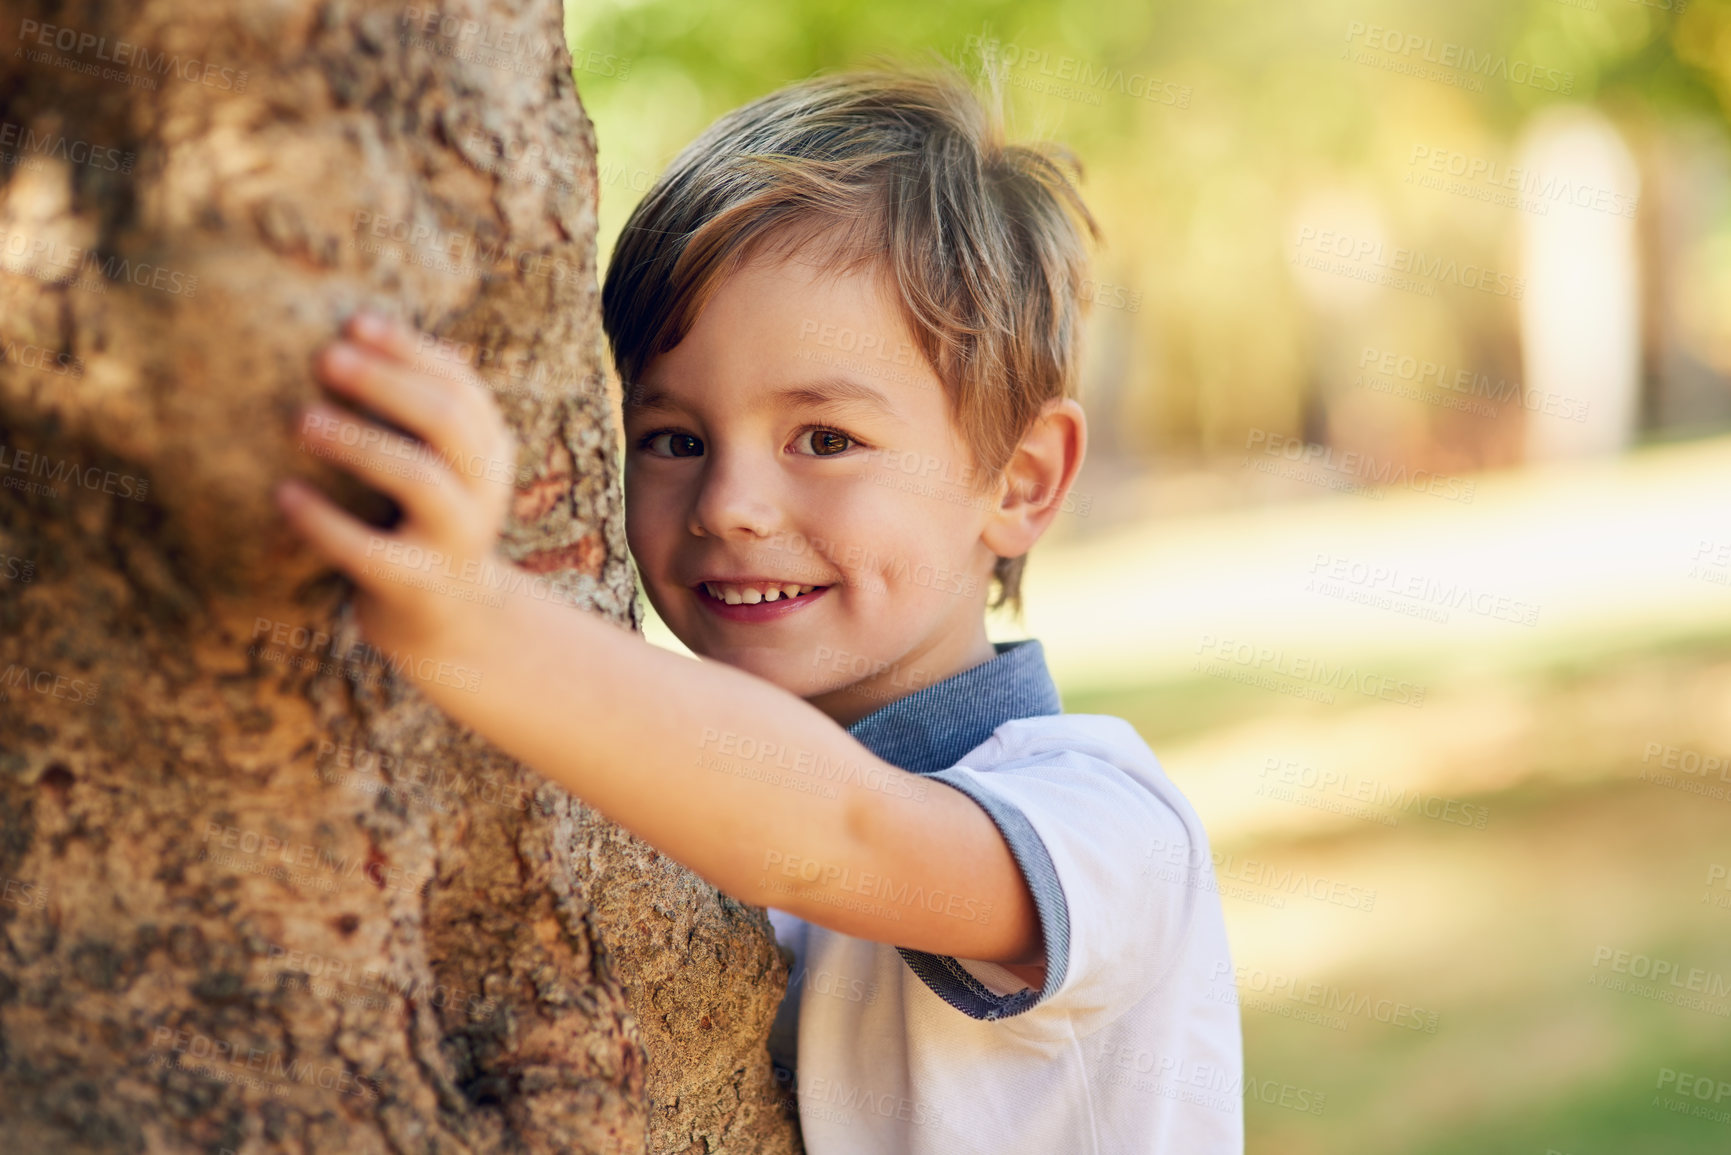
[941, 658]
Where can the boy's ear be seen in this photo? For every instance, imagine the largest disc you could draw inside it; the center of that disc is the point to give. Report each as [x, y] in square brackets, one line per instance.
[1038, 478]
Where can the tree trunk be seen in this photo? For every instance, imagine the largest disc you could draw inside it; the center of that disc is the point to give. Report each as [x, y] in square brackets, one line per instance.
[257, 894]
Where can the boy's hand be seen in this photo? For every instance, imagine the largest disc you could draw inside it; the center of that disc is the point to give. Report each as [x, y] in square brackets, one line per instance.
[454, 485]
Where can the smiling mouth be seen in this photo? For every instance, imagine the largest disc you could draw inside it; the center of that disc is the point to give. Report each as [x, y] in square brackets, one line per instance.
[751, 595]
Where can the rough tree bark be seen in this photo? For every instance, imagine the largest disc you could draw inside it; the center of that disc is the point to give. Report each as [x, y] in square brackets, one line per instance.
[257, 894]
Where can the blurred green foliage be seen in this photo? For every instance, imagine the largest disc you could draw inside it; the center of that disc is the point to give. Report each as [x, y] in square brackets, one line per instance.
[1201, 331]
[1255, 107]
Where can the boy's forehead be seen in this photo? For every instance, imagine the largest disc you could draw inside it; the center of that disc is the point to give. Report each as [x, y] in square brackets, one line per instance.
[830, 391]
[796, 330]
[816, 283]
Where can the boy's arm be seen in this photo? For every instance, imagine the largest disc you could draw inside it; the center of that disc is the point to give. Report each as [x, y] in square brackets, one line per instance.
[634, 730]
[638, 732]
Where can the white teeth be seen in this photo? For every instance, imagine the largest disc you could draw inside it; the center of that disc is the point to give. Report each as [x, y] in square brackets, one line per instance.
[752, 595]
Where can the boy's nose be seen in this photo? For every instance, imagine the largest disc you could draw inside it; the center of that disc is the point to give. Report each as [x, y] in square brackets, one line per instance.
[736, 497]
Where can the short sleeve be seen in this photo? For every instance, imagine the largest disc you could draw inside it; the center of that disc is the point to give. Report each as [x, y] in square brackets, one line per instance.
[1094, 843]
[790, 938]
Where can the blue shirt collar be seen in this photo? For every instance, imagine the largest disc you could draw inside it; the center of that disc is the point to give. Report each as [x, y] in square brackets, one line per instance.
[932, 728]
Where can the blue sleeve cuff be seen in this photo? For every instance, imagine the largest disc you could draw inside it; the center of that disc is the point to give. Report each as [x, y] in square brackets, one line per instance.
[947, 978]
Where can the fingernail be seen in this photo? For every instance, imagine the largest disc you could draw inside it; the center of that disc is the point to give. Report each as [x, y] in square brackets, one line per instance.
[369, 325]
[343, 357]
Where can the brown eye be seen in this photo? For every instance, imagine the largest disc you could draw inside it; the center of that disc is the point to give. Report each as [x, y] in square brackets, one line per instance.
[828, 443]
[678, 444]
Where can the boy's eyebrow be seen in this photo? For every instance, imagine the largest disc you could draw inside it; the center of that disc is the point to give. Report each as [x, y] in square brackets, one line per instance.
[834, 391]
[825, 391]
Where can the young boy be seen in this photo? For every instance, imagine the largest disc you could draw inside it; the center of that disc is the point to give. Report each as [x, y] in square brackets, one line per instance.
[847, 319]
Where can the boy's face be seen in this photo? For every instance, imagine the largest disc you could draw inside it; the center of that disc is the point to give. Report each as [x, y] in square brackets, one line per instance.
[732, 473]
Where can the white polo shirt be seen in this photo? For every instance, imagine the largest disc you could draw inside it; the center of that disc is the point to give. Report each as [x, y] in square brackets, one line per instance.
[890, 1051]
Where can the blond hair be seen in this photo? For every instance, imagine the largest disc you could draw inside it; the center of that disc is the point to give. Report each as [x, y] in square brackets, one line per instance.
[911, 171]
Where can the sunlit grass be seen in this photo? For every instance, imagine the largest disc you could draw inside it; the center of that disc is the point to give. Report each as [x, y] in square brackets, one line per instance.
[1495, 930]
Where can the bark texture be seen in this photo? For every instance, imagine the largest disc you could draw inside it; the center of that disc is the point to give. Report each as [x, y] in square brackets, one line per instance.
[257, 894]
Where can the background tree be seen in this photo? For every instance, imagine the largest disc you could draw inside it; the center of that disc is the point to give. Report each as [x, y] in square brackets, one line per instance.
[259, 894]
[1205, 143]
